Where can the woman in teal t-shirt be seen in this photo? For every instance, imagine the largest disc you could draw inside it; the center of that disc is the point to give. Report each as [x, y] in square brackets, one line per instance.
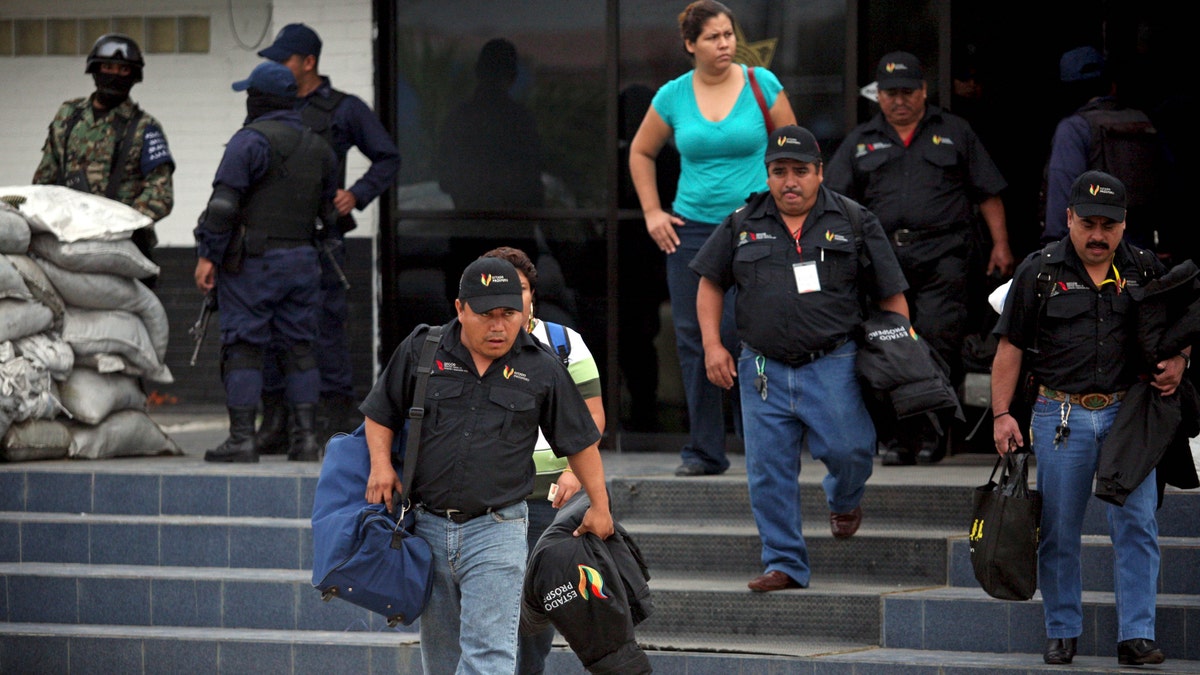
[721, 136]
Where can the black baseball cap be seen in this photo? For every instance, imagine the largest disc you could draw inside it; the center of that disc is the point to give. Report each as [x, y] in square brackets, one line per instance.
[793, 142]
[1096, 193]
[489, 283]
[294, 38]
[269, 78]
[899, 70]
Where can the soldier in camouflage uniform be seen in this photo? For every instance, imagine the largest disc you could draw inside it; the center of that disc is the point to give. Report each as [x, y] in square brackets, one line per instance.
[106, 136]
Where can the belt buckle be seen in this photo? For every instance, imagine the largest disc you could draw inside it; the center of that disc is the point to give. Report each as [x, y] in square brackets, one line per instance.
[899, 237]
[1095, 401]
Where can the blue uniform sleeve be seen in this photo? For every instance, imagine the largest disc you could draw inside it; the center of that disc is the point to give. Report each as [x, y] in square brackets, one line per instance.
[1068, 159]
[370, 137]
[154, 150]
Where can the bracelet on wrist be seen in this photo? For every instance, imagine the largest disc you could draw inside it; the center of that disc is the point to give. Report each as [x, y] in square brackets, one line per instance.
[1000, 414]
[1187, 360]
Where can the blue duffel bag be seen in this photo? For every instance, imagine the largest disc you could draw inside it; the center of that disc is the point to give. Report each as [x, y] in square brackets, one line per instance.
[361, 553]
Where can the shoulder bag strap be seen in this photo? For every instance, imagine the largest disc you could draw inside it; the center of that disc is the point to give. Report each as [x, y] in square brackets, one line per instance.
[762, 101]
[116, 174]
[417, 412]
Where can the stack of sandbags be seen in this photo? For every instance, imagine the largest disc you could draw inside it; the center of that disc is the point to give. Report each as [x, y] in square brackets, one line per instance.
[82, 267]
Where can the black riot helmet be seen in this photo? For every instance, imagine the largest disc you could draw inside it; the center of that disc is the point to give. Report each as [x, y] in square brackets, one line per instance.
[116, 48]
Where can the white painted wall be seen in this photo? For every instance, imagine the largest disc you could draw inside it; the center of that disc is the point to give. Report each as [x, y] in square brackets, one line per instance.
[189, 93]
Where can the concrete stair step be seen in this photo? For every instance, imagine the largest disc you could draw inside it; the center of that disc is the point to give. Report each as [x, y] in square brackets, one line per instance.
[215, 541]
[934, 619]
[884, 553]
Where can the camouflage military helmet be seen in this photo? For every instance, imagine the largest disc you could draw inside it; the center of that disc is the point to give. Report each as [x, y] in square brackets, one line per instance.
[116, 48]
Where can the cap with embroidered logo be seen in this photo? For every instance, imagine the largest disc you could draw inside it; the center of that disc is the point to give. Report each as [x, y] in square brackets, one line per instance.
[899, 70]
[1096, 193]
[793, 142]
[489, 283]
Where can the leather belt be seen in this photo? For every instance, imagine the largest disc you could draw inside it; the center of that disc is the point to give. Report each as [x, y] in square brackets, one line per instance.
[460, 517]
[905, 236]
[1093, 401]
[807, 358]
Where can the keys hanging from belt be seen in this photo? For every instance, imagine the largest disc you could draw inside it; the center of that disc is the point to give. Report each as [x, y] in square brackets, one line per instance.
[760, 381]
[1062, 432]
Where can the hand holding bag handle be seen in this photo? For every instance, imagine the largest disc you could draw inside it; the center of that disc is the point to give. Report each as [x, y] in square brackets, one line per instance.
[1004, 532]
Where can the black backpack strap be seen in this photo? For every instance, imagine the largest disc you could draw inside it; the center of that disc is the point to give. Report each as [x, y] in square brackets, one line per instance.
[854, 213]
[417, 412]
[125, 131]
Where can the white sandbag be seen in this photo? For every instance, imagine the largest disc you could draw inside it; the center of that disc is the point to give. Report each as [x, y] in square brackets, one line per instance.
[93, 290]
[38, 284]
[12, 284]
[90, 396]
[115, 363]
[26, 390]
[126, 433]
[35, 439]
[92, 331]
[71, 215]
[19, 318]
[109, 257]
[48, 351]
[14, 230]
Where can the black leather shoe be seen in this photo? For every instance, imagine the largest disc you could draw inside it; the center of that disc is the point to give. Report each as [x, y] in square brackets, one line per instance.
[694, 469]
[931, 454]
[1139, 652]
[896, 457]
[1059, 651]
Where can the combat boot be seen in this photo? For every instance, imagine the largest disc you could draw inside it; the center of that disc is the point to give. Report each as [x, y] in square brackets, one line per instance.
[239, 447]
[272, 435]
[302, 435]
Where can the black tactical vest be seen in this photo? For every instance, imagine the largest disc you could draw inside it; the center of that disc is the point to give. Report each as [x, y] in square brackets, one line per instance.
[286, 202]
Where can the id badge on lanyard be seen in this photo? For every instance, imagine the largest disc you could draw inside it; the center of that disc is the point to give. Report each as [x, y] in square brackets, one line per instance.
[807, 280]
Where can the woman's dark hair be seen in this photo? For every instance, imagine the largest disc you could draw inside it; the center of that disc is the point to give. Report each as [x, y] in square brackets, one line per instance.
[519, 260]
[695, 15]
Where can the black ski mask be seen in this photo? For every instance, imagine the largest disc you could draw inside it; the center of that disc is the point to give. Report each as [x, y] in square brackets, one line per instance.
[259, 103]
[111, 89]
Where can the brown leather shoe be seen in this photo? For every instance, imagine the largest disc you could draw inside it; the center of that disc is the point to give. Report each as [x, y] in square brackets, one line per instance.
[845, 524]
[773, 581]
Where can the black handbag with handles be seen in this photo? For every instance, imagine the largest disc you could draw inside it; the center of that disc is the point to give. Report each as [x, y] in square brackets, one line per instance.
[1004, 530]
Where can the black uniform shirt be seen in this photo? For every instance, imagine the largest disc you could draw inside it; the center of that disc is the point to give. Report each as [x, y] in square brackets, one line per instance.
[478, 433]
[753, 249]
[1086, 340]
[931, 184]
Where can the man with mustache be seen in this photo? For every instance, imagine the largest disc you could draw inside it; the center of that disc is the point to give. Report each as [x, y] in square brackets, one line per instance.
[492, 387]
[797, 261]
[106, 145]
[924, 172]
[1080, 341]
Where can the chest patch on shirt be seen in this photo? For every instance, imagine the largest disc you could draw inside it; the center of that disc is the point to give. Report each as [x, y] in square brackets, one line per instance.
[510, 373]
[450, 367]
[1068, 286]
[834, 236]
[748, 237]
[862, 149]
[942, 140]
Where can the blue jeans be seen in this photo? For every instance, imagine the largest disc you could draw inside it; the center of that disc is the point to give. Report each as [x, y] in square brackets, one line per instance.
[819, 405]
[706, 416]
[470, 625]
[1064, 477]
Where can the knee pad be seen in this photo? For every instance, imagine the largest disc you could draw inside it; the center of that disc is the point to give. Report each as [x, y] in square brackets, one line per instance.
[240, 356]
[299, 357]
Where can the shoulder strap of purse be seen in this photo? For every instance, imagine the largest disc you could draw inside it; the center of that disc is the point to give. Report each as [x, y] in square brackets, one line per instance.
[417, 412]
[762, 101]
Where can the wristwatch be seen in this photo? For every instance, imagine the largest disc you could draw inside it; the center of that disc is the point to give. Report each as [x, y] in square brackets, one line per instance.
[1187, 360]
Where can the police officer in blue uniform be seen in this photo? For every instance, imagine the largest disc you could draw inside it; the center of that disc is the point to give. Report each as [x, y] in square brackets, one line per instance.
[345, 121]
[256, 242]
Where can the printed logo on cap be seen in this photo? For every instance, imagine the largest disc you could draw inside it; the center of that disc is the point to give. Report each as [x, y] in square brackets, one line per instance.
[892, 67]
